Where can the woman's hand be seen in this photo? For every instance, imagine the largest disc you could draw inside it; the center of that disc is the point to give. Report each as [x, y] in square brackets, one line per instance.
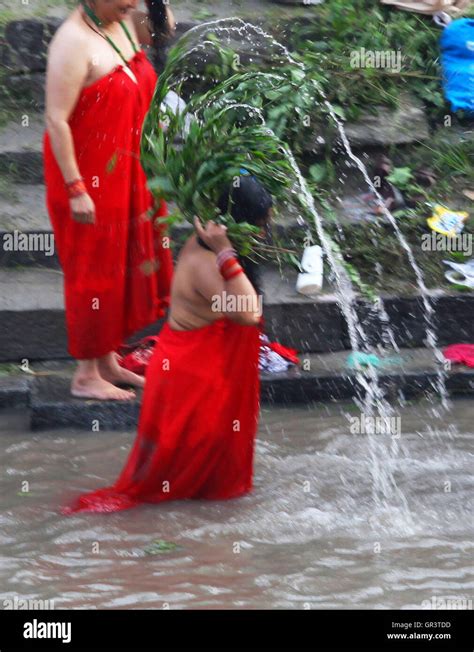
[83, 209]
[214, 235]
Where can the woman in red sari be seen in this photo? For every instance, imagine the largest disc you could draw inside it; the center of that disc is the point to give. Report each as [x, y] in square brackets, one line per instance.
[116, 260]
[200, 406]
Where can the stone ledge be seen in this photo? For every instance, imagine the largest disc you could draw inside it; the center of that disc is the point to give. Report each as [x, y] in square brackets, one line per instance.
[52, 407]
[32, 317]
[15, 391]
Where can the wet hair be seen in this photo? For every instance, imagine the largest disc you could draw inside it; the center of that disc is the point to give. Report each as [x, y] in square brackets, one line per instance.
[250, 202]
[160, 34]
[159, 22]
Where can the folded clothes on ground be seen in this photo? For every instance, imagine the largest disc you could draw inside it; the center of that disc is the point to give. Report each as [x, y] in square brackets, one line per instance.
[273, 358]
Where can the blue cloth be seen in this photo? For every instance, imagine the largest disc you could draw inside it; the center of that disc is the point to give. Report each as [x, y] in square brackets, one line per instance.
[457, 57]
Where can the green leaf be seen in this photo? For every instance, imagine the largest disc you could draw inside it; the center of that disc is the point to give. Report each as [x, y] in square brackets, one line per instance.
[159, 547]
[317, 172]
[112, 163]
[339, 111]
[400, 176]
[160, 185]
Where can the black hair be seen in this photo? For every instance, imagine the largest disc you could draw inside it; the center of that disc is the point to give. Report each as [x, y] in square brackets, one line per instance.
[250, 202]
[158, 15]
[160, 30]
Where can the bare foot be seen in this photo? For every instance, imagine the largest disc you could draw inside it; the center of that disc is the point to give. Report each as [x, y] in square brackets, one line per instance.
[99, 389]
[110, 370]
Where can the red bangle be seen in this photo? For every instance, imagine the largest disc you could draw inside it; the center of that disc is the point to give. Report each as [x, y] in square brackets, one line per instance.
[227, 264]
[238, 271]
[76, 188]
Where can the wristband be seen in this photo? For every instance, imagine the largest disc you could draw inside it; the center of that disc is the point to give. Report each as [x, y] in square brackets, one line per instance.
[76, 188]
[224, 255]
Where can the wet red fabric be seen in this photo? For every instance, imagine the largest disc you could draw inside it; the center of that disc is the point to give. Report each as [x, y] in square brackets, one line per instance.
[198, 421]
[117, 271]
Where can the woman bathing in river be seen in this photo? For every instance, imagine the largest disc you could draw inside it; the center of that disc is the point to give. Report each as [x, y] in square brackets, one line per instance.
[201, 400]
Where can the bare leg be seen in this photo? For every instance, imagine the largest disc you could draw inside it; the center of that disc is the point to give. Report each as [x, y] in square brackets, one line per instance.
[88, 383]
[110, 369]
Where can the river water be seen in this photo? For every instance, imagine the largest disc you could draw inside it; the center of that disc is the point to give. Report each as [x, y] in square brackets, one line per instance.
[308, 537]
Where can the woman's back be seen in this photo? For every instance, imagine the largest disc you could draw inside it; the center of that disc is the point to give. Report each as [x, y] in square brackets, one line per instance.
[199, 293]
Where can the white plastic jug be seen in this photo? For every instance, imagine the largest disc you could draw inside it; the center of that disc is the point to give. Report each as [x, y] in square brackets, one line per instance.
[310, 281]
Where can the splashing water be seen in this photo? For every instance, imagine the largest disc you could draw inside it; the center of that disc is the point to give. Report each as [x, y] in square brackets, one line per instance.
[371, 399]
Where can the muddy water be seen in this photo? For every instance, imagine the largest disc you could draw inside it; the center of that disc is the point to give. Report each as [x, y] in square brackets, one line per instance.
[309, 536]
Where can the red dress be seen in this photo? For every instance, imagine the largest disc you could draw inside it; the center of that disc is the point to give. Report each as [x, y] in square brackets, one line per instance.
[197, 424]
[117, 272]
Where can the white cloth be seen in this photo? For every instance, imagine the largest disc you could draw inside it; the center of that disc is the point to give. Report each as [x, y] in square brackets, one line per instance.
[271, 362]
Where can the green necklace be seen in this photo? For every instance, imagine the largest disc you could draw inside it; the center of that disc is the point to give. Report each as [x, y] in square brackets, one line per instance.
[98, 22]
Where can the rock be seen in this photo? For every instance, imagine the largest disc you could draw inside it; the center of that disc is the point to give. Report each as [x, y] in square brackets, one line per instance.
[406, 124]
[28, 41]
[27, 88]
[5, 56]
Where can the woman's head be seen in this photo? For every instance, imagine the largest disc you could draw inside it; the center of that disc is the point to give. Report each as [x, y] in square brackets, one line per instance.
[109, 11]
[250, 201]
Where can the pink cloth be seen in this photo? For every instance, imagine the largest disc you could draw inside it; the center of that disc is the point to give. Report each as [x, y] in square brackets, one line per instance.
[460, 353]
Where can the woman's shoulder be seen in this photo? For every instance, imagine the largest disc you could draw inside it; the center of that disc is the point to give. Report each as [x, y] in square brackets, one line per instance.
[70, 34]
[193, 260]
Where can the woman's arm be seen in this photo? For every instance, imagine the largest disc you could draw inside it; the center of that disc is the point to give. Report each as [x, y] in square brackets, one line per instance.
[237, 291]
[66, 74]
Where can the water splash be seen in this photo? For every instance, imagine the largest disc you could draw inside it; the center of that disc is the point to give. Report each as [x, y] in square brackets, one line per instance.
[371, 399]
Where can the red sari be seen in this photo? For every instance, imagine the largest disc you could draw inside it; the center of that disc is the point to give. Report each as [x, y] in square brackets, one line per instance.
[197, 424]
[117, 272]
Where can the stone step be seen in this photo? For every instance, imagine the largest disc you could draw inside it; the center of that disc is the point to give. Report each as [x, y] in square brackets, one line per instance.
[32, 316]
[326, 378]
[21, 159]
[23, 210]
[15, 390]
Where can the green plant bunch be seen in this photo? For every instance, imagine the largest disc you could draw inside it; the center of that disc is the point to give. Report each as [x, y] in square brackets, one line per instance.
[340, 28]
[227, 132]
[288, 99]
[230, 130]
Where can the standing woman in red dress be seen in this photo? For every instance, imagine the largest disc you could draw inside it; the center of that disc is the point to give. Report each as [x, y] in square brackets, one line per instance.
[116, 260]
